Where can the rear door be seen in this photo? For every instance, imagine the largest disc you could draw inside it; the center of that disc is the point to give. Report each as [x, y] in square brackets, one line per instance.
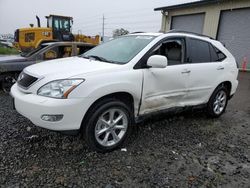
[205, 65]
[164, 88]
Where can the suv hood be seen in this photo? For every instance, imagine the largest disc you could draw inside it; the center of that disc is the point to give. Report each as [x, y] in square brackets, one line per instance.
[67, 67]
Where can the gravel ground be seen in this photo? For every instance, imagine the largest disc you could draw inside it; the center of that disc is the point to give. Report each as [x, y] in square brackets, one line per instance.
[186, 150]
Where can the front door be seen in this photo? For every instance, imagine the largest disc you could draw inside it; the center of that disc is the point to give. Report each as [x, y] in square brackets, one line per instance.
[164, 88]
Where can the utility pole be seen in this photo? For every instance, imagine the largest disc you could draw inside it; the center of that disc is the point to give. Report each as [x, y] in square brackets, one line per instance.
[103, 19]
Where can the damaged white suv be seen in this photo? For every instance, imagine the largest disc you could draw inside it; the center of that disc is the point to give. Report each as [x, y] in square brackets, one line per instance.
[107, 89]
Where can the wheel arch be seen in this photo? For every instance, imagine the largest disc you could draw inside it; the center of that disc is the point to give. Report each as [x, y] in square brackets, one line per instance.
[227, 84]
[125, 97]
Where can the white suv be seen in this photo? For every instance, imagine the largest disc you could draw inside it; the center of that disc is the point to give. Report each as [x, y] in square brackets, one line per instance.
[103, 92]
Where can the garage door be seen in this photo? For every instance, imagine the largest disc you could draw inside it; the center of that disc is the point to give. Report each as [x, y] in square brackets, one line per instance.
[192, 23]
[234, 32]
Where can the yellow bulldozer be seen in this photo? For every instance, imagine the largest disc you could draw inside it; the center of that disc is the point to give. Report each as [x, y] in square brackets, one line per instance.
[59, 28]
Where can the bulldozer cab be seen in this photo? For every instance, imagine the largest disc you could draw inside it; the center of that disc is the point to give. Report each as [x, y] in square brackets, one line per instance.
[61, 27]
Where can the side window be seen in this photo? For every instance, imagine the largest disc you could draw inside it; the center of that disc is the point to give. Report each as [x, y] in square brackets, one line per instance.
[173, 49]
[65, 51]
[52, 53]
[65, 25]
[56, 24]
[29, 37]
[58, 52]
[216, 54]
[199, 51]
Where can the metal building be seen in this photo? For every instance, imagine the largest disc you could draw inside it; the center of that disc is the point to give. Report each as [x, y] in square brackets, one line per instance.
[224, 20]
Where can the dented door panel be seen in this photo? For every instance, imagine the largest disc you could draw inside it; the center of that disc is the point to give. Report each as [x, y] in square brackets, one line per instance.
[163, 88]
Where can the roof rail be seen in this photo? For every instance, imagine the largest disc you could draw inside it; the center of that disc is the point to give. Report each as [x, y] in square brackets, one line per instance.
[137, 32]
[189, 32]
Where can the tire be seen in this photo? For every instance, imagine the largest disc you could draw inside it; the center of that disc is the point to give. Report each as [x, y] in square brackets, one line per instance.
[218, 102]
[101, 132]
[8, 81]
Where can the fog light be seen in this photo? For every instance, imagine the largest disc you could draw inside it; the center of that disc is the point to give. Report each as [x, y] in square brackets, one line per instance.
[52, 118]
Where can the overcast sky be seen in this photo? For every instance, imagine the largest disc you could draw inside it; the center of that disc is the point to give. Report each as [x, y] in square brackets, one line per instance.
[133, 15]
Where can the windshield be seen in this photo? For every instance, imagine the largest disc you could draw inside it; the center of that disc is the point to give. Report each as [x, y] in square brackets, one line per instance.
[62, 24]
[120, 50]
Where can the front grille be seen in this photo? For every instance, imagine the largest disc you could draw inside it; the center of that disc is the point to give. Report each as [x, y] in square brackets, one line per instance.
[25, 80]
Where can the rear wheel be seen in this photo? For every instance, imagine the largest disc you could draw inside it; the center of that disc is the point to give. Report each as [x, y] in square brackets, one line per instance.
[218, 102]
[108, 125]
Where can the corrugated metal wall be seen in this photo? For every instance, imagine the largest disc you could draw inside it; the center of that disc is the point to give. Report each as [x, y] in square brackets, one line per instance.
[192, 22]
[234, 32]
[212, 16]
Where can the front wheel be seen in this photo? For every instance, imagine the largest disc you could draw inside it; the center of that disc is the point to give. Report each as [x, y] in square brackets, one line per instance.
[108, 126]
[218, 102]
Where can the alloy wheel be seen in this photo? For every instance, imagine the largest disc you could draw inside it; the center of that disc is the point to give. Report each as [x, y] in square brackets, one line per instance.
[220, 102]
[111, 127]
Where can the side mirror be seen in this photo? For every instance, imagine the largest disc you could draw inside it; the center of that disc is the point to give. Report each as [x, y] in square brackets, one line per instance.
[157, 61]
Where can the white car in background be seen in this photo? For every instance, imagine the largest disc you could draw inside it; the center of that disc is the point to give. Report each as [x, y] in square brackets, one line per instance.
[6, 43]
[104, 91]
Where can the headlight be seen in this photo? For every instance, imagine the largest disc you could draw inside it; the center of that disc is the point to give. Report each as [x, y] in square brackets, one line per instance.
[59, 88]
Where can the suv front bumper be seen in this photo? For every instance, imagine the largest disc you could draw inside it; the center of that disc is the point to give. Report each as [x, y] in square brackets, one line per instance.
[33, 107]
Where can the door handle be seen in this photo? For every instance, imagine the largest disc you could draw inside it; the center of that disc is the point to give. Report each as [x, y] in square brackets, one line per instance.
[220, 68]
[186, 71]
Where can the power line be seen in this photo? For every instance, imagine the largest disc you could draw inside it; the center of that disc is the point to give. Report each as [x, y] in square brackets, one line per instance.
[119, 12]
[130, 16]
[137, 22]
[94, 25]
[118, 19]
[119, 15]
[132, 10]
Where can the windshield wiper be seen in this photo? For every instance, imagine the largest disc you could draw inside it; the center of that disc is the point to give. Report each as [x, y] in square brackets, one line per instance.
[100, 59]
[86, 57]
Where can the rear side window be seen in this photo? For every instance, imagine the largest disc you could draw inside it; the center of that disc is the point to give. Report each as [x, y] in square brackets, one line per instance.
[216, 54]
[199, 51]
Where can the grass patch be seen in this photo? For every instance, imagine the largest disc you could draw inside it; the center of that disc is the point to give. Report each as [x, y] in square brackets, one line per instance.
[8, 51]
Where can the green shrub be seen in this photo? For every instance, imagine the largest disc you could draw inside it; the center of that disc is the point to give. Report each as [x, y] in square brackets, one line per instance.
[8, 51]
